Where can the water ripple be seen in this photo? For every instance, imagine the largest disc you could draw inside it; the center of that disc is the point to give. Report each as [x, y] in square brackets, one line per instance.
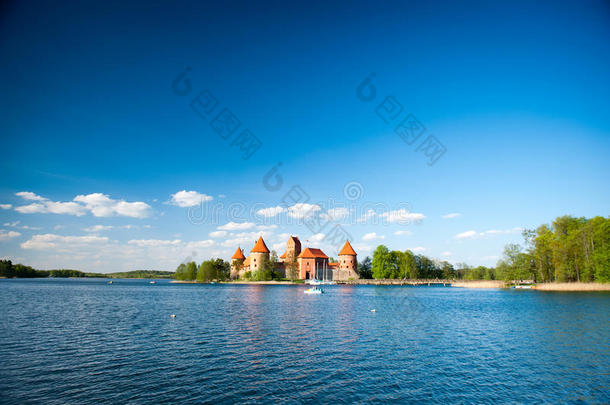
[84, 341]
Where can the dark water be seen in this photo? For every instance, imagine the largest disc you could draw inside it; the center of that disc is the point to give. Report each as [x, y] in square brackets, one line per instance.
[84, 341]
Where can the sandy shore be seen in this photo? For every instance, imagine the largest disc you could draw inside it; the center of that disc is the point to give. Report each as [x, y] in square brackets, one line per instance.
[478, 284]
[573, 287]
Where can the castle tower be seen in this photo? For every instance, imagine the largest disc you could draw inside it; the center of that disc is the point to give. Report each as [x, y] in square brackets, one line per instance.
[258, 254]
[237, 262]
[293, 248]
[348, 262]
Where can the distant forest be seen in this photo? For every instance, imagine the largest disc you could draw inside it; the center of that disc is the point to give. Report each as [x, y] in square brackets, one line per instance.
[10, 270]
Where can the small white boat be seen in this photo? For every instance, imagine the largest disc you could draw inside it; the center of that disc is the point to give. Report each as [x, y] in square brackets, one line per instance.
[313, 281]
[523, 287]
[313, 290]
[153, 282]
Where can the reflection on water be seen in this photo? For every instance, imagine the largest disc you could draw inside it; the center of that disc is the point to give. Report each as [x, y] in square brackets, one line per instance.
[84, 341]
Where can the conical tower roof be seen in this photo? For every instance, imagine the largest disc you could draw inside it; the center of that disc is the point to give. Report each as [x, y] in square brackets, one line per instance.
[259, 246]
[347, 249]
[238, 254]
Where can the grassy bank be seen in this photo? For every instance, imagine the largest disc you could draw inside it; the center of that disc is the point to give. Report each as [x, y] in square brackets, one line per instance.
[479, 284]
[573, 287]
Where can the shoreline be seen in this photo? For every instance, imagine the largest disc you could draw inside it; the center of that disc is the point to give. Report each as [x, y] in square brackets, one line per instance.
[572, 287]
[475, 284]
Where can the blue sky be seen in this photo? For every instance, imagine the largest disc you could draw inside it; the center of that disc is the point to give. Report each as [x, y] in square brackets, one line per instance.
[96, 135]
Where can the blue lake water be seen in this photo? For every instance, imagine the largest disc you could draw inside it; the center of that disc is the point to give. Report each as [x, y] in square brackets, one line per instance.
[85, 341]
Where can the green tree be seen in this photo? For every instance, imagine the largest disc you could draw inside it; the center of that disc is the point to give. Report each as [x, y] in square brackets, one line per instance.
[180, 272]
[409, 266]
[265, 270]
[190, 271]
[364, 268]
[222, 269]
[381, 262]
[206, 271]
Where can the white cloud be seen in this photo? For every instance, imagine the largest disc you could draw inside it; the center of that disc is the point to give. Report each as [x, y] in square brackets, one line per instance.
[51, 241]
[200, 244]
[399, 233]
[466, 235]
[446, 253]
[492, 232]
[154, 242]
[98, 228]
[501, 231]
[189, 198]
[452, 215]
[132, 209]
[365, 217]
[279, 247]
[417, 249]
[318, 237]
[68, 208]
[12, 224]
[373, 236]
[96, 253]
[266, 227]
[53, 207]
[361, 248]
[4, 235]
[337, 214]
[402, 216]
[31, 228]
[236, 226]
[302, 210]
[100, 205]
[6, 206]
[28, 195]
[218, 234]
[271, 211]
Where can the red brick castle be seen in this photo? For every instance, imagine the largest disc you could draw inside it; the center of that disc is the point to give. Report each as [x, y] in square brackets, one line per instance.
[307, 264]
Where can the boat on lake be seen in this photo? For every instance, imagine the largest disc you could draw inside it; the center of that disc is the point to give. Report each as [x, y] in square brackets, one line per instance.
[313, 290]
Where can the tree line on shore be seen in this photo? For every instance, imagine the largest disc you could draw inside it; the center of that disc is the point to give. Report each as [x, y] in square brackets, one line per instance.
[208, 270]
[570, 249]
[10, 270]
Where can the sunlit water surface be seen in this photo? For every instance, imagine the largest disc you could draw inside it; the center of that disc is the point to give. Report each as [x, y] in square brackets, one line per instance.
[85, 341]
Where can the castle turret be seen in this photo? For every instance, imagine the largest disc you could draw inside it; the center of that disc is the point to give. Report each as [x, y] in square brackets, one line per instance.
[258, 254]
[348, 263]
[237, 262]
